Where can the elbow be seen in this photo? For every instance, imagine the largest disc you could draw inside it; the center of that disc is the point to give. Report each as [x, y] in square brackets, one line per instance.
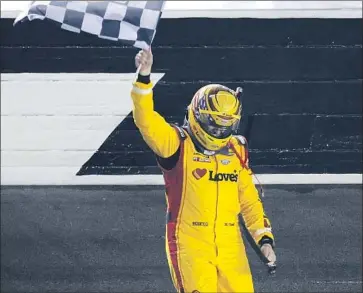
[136, 119]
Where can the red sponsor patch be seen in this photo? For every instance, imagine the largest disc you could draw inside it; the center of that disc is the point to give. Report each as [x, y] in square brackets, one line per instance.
[199, 173]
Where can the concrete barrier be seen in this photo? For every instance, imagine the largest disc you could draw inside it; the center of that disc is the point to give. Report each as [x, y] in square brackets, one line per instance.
[51, 124]
[65, 104]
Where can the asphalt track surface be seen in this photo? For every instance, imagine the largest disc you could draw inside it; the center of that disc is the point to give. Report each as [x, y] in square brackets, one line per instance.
[110, 239]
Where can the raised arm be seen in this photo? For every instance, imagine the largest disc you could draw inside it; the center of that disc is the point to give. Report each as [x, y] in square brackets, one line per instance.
[159, 135]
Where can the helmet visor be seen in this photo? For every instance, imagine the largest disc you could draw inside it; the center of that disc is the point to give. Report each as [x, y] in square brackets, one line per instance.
[217, 131]
[216, 124]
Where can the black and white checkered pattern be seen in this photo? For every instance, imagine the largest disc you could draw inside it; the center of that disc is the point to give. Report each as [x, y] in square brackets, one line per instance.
[132, 22]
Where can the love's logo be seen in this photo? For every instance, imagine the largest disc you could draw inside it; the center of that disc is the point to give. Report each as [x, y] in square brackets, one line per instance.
[199, 173]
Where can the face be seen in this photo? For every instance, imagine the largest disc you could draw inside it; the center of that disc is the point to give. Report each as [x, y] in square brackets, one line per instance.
[217, 131]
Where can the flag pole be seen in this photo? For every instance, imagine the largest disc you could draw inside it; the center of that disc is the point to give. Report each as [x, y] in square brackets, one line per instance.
[139, 68]
[137, 73]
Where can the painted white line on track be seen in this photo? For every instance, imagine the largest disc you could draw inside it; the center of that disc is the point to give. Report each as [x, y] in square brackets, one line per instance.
[337, 282]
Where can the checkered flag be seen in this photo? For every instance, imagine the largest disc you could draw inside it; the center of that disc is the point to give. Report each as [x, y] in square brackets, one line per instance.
[131, 22]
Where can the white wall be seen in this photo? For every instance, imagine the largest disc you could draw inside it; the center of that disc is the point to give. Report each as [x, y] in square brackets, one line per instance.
[51, 124]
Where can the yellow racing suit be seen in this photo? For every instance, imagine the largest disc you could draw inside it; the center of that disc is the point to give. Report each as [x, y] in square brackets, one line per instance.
[205, 195]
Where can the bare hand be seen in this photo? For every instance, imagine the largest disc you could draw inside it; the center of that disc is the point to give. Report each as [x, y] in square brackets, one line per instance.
[145, 59]
[268, 251]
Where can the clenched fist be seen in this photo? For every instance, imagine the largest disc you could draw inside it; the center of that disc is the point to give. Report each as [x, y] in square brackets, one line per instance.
[145, 59]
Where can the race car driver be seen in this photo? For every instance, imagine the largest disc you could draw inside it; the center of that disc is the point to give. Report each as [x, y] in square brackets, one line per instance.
[208, 184]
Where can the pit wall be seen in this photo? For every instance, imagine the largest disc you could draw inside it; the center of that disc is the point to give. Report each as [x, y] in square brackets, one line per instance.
[66, 109]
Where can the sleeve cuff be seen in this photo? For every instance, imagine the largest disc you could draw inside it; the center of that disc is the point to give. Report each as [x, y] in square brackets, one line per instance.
[143, 79]
[266, 240]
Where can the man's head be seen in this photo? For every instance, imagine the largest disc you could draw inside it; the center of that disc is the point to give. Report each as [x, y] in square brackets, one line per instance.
[214, 115]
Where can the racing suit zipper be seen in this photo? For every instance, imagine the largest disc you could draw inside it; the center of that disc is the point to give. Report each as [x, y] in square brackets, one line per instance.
[216, 212]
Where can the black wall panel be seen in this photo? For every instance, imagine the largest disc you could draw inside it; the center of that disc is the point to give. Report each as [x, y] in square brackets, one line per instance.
[337, 133]
[212, 64]
[200, 32]
[302, 82]
[263, 97]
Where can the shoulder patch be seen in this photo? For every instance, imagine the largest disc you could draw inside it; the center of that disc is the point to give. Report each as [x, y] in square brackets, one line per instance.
[181, 132]
[241, 139]
[243, 142]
